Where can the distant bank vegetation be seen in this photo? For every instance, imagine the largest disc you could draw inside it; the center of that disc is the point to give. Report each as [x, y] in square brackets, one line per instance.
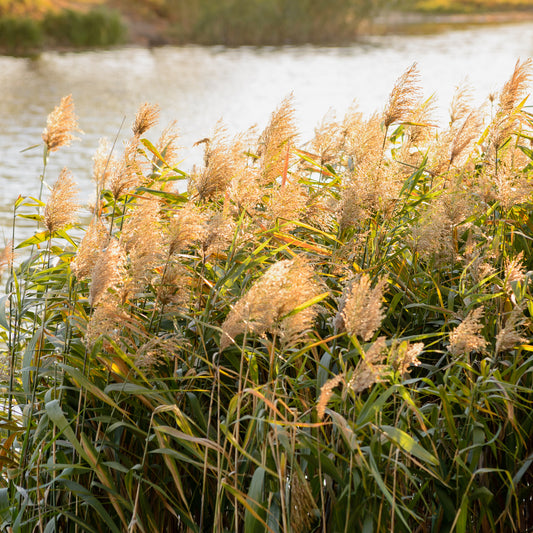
[21, 33]
[27, 26]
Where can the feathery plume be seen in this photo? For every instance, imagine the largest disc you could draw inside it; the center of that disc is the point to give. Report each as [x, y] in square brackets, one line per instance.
[466, 338]
[403, 97]
[405, 356]
[223, 161]
[174, 287]
[370, 369]
[266, 307]
[94, 241]
[126, 173]
[288, 202]
[360, 311]
[219, 233]
[327, 141]
[508, 115]
[515, 271]
[109, 319]
[465, 135]
[102, 164]
[6, 256]
[166, 145]
[147, 116]
[509, 336]
[158, 350]
[141, 239]
[108, 272]
[60, 124]
[62, 206]
[461, 104]
[275, 141]
[326, 391]
[186, 227]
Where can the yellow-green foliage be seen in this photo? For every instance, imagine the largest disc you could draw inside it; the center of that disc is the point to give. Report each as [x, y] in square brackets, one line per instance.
[329, 337]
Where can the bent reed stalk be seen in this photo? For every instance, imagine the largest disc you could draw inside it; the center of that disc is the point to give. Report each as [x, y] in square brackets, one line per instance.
[330, 336]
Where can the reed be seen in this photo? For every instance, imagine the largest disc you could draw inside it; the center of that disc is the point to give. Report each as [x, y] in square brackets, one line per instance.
[346, 348]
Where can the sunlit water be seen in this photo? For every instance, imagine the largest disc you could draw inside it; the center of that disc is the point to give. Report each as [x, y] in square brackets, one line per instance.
[197, 86]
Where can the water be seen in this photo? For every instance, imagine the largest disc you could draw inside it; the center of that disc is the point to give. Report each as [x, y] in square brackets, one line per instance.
[197, 86]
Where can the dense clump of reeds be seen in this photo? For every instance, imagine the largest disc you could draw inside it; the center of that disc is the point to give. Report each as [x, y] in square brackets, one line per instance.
[331, 336]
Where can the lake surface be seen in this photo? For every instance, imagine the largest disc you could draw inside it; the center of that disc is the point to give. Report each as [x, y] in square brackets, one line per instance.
[197, 86]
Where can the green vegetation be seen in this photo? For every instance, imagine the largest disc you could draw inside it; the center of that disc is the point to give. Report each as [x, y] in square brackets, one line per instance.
[97, 27]
[19, 35]
[330, 337]
[70, 28]
[271, 22]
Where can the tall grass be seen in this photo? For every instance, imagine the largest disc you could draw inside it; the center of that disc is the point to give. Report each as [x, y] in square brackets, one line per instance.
[97, 27]
[269, 22]
[331, 336]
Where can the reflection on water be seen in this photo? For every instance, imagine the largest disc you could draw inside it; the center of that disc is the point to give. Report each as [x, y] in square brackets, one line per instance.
[197, 86]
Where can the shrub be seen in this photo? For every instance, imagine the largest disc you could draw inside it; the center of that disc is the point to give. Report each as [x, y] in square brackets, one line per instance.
[98, 27]
[19, 35]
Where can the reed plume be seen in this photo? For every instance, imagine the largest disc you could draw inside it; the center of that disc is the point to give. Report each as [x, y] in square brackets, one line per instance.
[275, 142]
[94, 241]
[267, 306]
[141, 239]
[167, 147]
[509, 114]
[287, 202]
[223, 160]
[361, 310]
[60, 125]
[126, 173]
[109, 319]
[328, 141]
[370, 369]
[405, 356]
[466, 337]
[147, 117]
[108, 272]
[62, 206]
[326, 392]
[511, 335]
[186, 227]
[103, 162]
[403, 98]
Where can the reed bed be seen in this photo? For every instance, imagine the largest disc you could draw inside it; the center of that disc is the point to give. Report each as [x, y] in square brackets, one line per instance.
[331, 336]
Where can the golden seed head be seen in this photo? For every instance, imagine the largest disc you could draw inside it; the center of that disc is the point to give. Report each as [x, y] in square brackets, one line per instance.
[94, 241]
[266, 307]
[361, 311]
[405, 356]
[466, 337]
[108, 272]
[510, 335]
[403, 97]
[102, 164]
[62, 206]
[60, 125]
[326, 391]
[186, 227]
[370, 369]
[223, 160]
[147, 117]
[275, 142]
